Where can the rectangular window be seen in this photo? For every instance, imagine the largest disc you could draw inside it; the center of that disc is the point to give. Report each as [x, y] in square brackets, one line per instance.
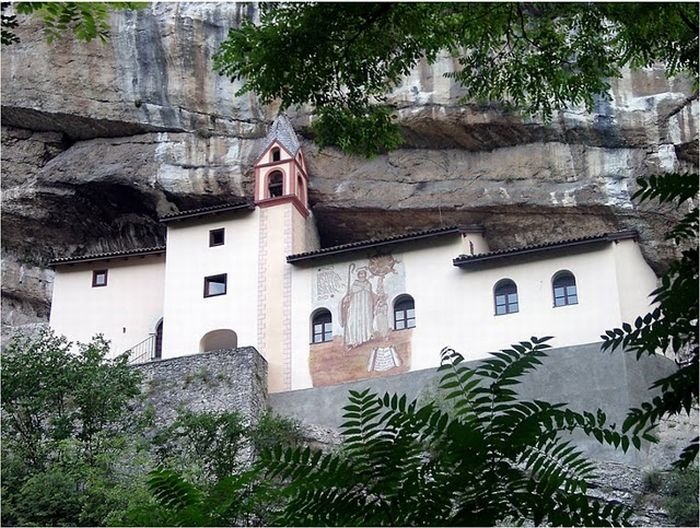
[99, 278]
[216, 237]
[215, 285]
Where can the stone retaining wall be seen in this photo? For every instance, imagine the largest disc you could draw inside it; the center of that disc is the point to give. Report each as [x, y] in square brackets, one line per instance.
[228, 379]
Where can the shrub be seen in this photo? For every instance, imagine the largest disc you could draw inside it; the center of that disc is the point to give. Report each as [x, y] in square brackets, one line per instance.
[491, 459]
[681, 496]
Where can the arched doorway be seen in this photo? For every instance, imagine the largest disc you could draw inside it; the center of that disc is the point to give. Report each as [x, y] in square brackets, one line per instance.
[218, 339]
[158, 348]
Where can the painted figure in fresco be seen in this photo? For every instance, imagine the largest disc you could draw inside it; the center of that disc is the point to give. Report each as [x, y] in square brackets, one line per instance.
[357, 309]
[380, 266]
[381, 311]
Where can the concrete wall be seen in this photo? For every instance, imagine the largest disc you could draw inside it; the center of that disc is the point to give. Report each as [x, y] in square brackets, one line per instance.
[125, 311]
[582, 376]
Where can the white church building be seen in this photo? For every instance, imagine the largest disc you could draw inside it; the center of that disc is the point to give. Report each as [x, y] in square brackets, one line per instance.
[252, 273]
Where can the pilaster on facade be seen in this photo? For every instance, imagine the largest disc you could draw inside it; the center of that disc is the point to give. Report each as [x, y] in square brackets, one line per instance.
[262, 281]
[287, 299]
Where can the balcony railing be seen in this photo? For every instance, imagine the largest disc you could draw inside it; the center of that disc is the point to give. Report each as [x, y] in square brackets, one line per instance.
[143, 352]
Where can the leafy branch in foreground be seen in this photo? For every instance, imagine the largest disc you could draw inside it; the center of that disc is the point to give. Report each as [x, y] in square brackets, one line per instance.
[231, 501]
[672, 327]
[86, 20]
[345, 58]
[491, 458]
[204, 475]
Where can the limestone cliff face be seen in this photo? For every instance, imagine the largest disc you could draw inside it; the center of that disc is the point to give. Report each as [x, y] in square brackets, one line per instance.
[100, 139]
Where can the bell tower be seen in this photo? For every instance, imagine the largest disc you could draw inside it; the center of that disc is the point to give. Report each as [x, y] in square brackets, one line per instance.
[286, 227]
[280, 171]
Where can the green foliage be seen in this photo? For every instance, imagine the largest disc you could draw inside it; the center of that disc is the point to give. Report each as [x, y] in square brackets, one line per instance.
[50, 394]
[365, 131]
[211, 442]
[204, 480]
[49, 498]
[681, 496]
[210, 446]
[66, 456]
[271, 430]
[493, 459]
[652, 480]
[344, 58]
[86, 20]
[7, 24]
[672, 327]
[235, 500]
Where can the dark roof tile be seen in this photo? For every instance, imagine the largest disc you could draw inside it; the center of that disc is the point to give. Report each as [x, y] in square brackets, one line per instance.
[281, 130]
[465, 260]
[108, 255]
[203, 211]
[375, 242]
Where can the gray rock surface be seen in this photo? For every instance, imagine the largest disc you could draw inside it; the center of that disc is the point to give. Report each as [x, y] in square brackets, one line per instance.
[99, 139]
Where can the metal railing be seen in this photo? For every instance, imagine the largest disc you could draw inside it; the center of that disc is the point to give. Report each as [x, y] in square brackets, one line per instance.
[143, 352]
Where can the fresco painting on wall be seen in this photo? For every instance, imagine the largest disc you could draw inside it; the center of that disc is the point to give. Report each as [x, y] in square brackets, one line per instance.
[364, 343]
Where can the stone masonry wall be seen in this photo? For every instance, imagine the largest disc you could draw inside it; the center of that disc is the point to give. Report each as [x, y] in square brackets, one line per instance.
[222, 380]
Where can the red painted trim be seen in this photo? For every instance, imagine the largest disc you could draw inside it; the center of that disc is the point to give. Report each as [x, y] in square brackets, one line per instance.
[290, 198]
[267, 149]
[287, 161]
[266, 182]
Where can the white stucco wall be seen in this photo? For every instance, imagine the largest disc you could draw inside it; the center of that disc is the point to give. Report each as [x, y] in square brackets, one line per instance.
[635, 279]
[455, 306]
[268, 303]
[188, 315]
[125, 311]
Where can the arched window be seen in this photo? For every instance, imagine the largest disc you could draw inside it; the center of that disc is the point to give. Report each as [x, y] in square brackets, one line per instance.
[276, 154]
[564, 289]
[301, 190]
[505, 297]
[274, 184]
[321, 327]
[218, 339]
[404, 312]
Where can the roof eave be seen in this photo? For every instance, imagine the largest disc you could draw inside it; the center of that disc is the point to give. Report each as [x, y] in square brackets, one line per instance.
[467, 260]
[292, 259]
[184, 215]
[292, 155]
[106, 256]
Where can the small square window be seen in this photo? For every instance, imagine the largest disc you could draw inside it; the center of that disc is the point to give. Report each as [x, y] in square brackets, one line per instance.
[216, 237]
[215, 285]
[99, 278]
